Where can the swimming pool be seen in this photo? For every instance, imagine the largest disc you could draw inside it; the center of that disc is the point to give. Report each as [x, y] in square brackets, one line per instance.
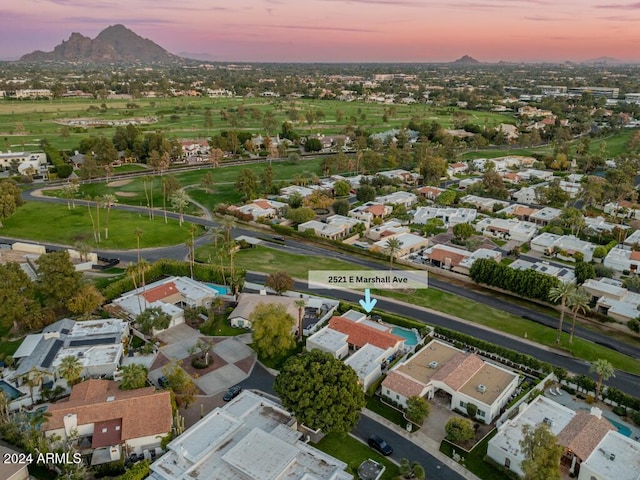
[10, 391]
[410, 337]
[221, 289]
[622, 429]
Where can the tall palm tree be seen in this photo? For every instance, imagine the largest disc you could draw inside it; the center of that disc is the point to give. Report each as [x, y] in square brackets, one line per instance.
[145, 179]
[604, 370]
[180, 200]
[93, 223]
[99, 202]
[191, 243]
[70, 369]
[34, 379]
[143, 267]
[132, 271]
[228, 223]
[578, 302]
[560, 294]
[133, 376]
[300, 304]
[391, 247]
[109, 200]
[138, 233]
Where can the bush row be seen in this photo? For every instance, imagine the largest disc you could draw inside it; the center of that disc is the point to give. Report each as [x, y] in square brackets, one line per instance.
[613, 394]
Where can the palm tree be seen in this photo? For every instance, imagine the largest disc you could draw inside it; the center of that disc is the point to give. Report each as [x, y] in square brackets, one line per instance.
[145, 179]
[133, 376]
[578, 301]
[300, 304]
[99, 201]
[392, 246]
[560, 294]
[109, 200]
[132, 271]
[604, 370]
[93, 223]
[191, 243]
[179, 200]
[215, 233]
[143, 267]
[138, 233]
[70, 369]
[228, 223]
[34, 379]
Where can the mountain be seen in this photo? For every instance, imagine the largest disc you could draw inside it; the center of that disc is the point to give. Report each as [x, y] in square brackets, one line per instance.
[603, 61]
[114, 44]
[466, 60]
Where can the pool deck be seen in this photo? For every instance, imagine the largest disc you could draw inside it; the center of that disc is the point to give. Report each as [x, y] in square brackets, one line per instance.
[576, 404]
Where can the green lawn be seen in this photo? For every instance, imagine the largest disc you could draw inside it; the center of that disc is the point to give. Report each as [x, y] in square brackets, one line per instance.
[474, 460]
[267, 260]
[375, 405]
[51, 223]
[353, 453]
[220, 328]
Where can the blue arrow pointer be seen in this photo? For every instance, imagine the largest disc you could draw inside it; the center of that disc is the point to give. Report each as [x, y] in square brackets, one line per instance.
[368, 303]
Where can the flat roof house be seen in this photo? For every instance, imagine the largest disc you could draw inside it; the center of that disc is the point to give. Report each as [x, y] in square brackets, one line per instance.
[616, 457]
[400, 197]
[465, 377]
[251, 437]
[450, 216]
[12, 470]
[483, 203]
[247, 303]
[110, 422]
[409, 243]
[621, 260]
[580, 433]
[97, 344]
[507, 229]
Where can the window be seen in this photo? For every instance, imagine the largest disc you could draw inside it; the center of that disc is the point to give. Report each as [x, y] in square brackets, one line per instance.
[104, 430]
[507, 463]
[481, 413]
[463, 404]
[397, 397]
[117, 428]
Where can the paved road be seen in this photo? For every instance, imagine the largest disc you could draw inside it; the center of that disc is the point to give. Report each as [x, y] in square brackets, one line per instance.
[404, 448]
[624, 381]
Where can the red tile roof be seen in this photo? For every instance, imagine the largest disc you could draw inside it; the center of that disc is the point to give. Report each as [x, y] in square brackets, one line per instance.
[262, 204]
[375, 210]
[360, 334]
[142, 412]
[405, 386]
[583, 433]
[459, 370]
[440, 255]
[160, 292]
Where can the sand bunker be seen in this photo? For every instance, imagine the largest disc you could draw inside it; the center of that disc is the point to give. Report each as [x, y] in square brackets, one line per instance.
[119, 183]
[125, 194]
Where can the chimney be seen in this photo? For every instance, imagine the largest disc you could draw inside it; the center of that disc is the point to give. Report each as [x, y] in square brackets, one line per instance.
[596, 412]
[114, 453]
[70, 421]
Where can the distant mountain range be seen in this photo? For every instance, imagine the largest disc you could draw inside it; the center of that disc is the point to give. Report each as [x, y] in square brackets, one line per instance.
[114, 44]
[466, 60]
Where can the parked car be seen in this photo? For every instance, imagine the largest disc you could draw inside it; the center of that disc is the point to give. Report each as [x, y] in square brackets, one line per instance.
[232, 393]
[279, 238]
[380, 445]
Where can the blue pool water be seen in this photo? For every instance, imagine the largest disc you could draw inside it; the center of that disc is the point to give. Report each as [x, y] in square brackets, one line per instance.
[221, 289]
[410, 337]
[622, 429]
[11, 392]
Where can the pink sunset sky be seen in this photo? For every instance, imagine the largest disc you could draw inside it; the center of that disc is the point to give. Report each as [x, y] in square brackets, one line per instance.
[341, 30]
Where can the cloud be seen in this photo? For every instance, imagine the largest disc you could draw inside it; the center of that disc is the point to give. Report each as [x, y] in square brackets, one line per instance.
[330, 29]
[620, 18]
[391, 3]
[124, 21]
[621, 6]
[80, 3]
[539, 18]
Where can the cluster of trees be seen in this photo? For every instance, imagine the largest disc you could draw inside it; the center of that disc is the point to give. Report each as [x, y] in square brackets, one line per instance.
[10, 199]
[526, 283]
[26, 305]
[321, 391]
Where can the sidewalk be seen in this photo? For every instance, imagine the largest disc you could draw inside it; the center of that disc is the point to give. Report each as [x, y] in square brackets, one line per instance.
[421, 439]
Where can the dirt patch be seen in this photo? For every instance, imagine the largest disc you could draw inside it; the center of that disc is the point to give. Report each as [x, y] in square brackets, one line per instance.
[119, 183]
[126, 194]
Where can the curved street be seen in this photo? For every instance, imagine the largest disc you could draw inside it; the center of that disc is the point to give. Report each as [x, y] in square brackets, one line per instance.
[624, 381]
